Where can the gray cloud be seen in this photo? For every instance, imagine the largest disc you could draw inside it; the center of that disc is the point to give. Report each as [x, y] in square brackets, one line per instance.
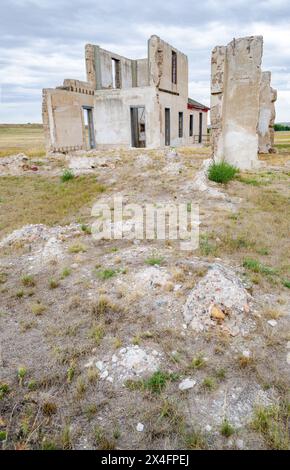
[42, 41]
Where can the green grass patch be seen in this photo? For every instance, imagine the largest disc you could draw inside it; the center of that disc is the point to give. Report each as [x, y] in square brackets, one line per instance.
[222, 172]
[226, 428]
[256, 267]
[154, 260]
[105, 274]
[155, 384]
[4, 390]
[250, 181]
[67, 175]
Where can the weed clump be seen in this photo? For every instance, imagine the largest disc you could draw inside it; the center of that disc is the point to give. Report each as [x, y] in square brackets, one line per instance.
[222, 172]
[67, 175]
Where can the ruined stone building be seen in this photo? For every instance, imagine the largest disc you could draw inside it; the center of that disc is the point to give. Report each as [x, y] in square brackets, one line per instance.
[124, 102]
[242, 103]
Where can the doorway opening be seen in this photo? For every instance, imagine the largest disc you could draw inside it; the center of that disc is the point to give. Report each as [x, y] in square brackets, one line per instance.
[167, 126]
[89, 127]
[190, 125]
[200, 129]
[138, 126]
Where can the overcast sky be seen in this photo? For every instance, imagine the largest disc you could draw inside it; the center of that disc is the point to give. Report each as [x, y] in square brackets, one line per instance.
[42, 42]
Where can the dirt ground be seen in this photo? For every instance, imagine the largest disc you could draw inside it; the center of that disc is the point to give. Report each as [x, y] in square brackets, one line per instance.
[96, 350]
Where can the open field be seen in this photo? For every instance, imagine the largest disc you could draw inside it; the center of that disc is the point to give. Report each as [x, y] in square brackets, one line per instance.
[282, 141]
[93, 336]
[26, 138]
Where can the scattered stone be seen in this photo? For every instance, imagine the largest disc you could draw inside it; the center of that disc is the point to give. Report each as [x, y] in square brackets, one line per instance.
[240, 444]
[140, 427]
[247, 354]
[128, 363]
[208, 428]
[272, 322]
[151, 277]
[186, 384]
[238, 405]
[143, 160]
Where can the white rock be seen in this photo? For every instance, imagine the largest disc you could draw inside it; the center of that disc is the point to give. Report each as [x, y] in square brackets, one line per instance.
[110, 379]
[186, 384]
[114, 358]
[104, 374]
[240, 444]
[140, 427]
[288, 358]
[208, 428]
[99, 365]
[288, 345]
[90, 363]
[247, 354]
[272, 322]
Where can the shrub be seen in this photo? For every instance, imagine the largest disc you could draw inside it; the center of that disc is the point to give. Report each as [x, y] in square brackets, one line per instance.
[4, 389]
[53, 283]
[226, 429]
[106, 274]
[67, 175]
[154, 260]
[222, 172]
[28, 280]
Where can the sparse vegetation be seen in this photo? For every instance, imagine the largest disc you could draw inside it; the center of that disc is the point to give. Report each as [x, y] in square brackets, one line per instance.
[209, 383]
[65, 273]
[195, 440]
[257, 267]
[272, 423]
[28, 280]
[77, 248]
[226, 429]
[4, 390]
[21, 373]
[97, 333]
[53, 283]
[37, 308]
[85, 228]
[198, 362]
[105, 274]
[154, 260]
[67, 175]
[97, 310]
[49, 408]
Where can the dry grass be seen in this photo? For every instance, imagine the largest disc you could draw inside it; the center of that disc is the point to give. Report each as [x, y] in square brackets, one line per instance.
[28, 139]
[39, 200]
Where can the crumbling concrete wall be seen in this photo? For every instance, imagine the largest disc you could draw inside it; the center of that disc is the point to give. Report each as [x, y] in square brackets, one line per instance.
[62, 114]
[112, 116]
[267, 114]
[160, 67]
[133, 73]
[235, 101]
